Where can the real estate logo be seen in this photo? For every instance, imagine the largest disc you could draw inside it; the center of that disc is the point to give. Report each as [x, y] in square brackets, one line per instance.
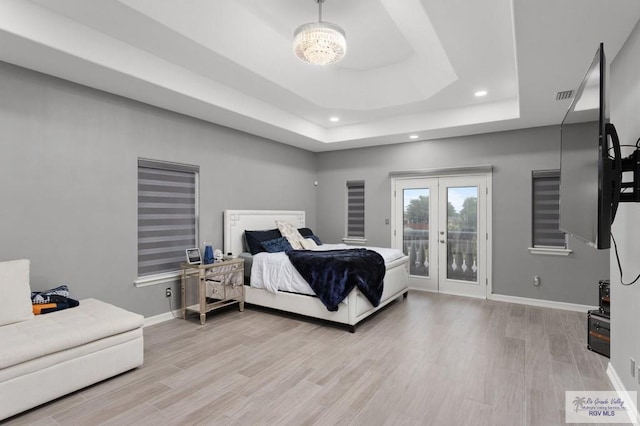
[600, 407]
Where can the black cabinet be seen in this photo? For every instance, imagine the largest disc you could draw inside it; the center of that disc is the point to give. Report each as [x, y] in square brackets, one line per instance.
[599, 332]
[599, 323]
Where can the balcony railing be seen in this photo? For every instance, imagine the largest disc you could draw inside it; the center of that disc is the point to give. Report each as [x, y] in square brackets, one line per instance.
[462, 253]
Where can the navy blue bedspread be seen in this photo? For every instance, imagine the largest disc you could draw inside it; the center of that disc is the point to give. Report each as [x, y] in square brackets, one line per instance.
[332, 274]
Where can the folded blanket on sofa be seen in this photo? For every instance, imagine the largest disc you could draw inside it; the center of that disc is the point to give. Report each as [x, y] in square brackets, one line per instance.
[55, 299]
[45, 308]
[45, 296]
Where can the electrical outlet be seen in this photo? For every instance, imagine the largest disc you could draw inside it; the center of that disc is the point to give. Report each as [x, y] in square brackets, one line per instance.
[168, 292]
[536, 281]
[633, 367]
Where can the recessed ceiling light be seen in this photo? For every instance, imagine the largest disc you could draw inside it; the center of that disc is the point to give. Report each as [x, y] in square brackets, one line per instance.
[480, 93]
[413, 136]
[334, 119]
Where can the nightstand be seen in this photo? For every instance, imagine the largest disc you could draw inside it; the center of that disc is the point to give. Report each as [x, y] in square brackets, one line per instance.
[219, 284]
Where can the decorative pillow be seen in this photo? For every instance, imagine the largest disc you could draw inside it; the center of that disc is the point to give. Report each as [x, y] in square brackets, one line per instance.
[276, 245]
[305, 232]
[254, 239]
[308, 233]
[16, 292]
[315, 239]
[308, 244]
[290, 233]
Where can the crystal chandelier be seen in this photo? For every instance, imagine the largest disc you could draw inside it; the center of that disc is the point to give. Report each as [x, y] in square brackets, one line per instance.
[319, 43]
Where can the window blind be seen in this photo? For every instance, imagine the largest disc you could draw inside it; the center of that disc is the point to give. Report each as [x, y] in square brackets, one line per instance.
[546, 209]
[355, 209]
[167, 215]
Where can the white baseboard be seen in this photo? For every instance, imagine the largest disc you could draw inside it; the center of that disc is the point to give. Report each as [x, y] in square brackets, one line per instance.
[525, 301]
[424, 290]
[619, 387]
[541, 303]
[157, 319]
[496, 297]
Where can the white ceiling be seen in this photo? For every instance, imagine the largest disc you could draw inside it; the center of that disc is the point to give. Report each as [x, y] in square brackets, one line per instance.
[412, 66]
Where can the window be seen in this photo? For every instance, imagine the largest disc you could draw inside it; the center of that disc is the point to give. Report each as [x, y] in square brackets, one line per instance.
[546, 210]
[355, 209]
[167, 215]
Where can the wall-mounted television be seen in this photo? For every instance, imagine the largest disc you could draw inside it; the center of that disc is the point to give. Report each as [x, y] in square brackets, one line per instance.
[590, 161]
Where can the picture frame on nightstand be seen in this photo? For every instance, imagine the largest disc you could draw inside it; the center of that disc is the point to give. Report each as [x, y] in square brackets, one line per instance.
[193, 256]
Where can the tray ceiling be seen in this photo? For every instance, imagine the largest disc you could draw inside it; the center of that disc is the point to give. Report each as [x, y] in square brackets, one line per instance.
[411, 68]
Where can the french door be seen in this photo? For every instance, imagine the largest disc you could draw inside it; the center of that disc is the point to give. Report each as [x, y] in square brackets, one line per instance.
[441, 224]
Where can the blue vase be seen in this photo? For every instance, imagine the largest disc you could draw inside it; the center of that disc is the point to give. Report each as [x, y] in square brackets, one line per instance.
[208, 255]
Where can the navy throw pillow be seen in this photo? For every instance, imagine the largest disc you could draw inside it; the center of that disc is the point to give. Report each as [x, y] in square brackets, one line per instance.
[316, 239]
[308, 233]
[277, 245]
[255, 238]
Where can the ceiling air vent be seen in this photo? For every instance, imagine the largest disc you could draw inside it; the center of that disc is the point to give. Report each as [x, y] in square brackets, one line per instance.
[567, 94]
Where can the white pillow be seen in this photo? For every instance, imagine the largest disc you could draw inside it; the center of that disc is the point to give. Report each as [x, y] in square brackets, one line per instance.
[15, 291]
[291, 233]
[308, 244]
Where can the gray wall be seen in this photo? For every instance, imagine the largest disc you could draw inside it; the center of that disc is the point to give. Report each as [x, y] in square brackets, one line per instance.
[514, 155]
[68, 173]
[625, 301]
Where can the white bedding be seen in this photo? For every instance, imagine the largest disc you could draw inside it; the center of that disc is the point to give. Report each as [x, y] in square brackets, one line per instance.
[274, 272]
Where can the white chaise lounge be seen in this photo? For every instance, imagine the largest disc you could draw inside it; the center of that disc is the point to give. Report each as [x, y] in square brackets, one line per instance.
[47, 356]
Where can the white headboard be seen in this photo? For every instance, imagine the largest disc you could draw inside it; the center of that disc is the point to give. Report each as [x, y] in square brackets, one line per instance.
[236, 221]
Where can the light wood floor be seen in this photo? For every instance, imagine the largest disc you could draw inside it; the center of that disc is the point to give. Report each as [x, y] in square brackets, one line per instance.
[428, 360]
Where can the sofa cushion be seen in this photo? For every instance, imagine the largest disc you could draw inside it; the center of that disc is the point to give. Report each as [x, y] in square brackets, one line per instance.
[37, 365]
[15, 291]
[47, 334]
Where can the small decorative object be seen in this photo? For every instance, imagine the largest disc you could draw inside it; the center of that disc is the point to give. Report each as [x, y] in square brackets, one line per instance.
[217, 254]
[208, 253]
[193, 256]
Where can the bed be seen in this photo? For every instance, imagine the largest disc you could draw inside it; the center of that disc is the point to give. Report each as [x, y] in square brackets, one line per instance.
[352, 310]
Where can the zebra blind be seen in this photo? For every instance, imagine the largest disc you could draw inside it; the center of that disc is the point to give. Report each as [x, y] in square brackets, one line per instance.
[167, 215]
[546, 209]
[355, 209]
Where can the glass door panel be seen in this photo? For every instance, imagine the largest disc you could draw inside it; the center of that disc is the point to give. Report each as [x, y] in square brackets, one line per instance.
[463, 236]
[415, 234]
[415, 223]
[462, 233]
